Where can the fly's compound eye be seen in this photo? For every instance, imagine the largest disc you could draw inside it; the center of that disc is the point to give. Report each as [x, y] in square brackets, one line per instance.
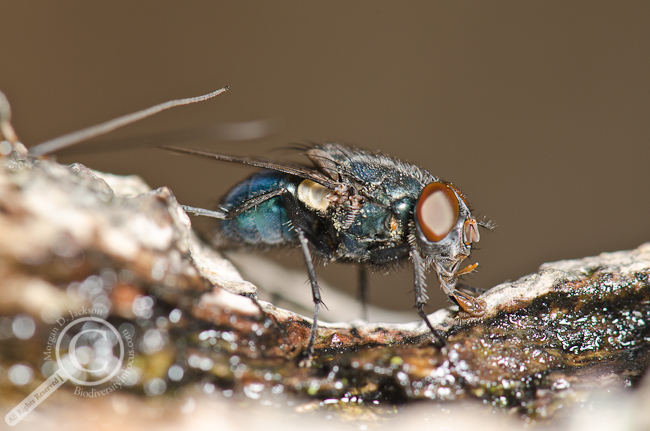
[437, 211]
[470, 230]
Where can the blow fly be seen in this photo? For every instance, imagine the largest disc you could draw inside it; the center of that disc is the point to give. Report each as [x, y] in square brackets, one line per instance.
[352, 206]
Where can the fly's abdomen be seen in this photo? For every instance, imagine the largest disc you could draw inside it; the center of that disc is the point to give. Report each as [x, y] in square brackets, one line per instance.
[267, 223]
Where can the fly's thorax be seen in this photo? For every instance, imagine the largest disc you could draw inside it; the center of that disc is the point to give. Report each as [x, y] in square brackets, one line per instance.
[402, 210]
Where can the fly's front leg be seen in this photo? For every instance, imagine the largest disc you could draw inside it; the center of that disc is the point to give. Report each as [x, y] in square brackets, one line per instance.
[471, 290]
[473, 306]
[421, 295]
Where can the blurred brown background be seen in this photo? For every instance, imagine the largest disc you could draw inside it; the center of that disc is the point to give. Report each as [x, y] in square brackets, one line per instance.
[539, 112]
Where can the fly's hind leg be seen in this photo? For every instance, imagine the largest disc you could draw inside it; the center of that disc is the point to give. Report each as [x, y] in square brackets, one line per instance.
[219, 214]
[363, 291]
[230, 213]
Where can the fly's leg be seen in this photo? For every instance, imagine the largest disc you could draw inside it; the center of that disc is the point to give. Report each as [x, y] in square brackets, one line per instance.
[473, 306]
[305, 237]
[203, 212]
[421, 295]
[230, 213]
[470, 289]
[226, 214]
[362, 291]
[315, 291]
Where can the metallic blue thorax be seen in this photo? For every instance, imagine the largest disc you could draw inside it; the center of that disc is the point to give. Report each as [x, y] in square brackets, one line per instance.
[378, 234]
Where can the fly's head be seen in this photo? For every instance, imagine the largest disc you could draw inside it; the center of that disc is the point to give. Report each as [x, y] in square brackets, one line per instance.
[445, 231]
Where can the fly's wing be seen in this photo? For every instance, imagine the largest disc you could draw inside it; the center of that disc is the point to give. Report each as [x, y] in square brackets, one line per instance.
[349, 166]
[324, 162]
[289, 168]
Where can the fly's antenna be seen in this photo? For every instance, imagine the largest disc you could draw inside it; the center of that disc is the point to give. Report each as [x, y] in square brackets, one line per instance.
[487, 224]
[56, 144]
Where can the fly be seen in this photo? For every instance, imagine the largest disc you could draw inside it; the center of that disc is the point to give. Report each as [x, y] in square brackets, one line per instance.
[352, 206]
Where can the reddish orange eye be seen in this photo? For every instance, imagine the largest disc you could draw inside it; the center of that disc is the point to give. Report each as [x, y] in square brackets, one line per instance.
[437, 211]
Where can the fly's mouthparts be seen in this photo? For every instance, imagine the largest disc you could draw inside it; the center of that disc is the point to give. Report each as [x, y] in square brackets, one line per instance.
[468, 269]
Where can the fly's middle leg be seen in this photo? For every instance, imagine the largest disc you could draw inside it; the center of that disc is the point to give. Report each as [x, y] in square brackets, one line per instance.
[363, 291]
[315, 291]
[306, 239]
